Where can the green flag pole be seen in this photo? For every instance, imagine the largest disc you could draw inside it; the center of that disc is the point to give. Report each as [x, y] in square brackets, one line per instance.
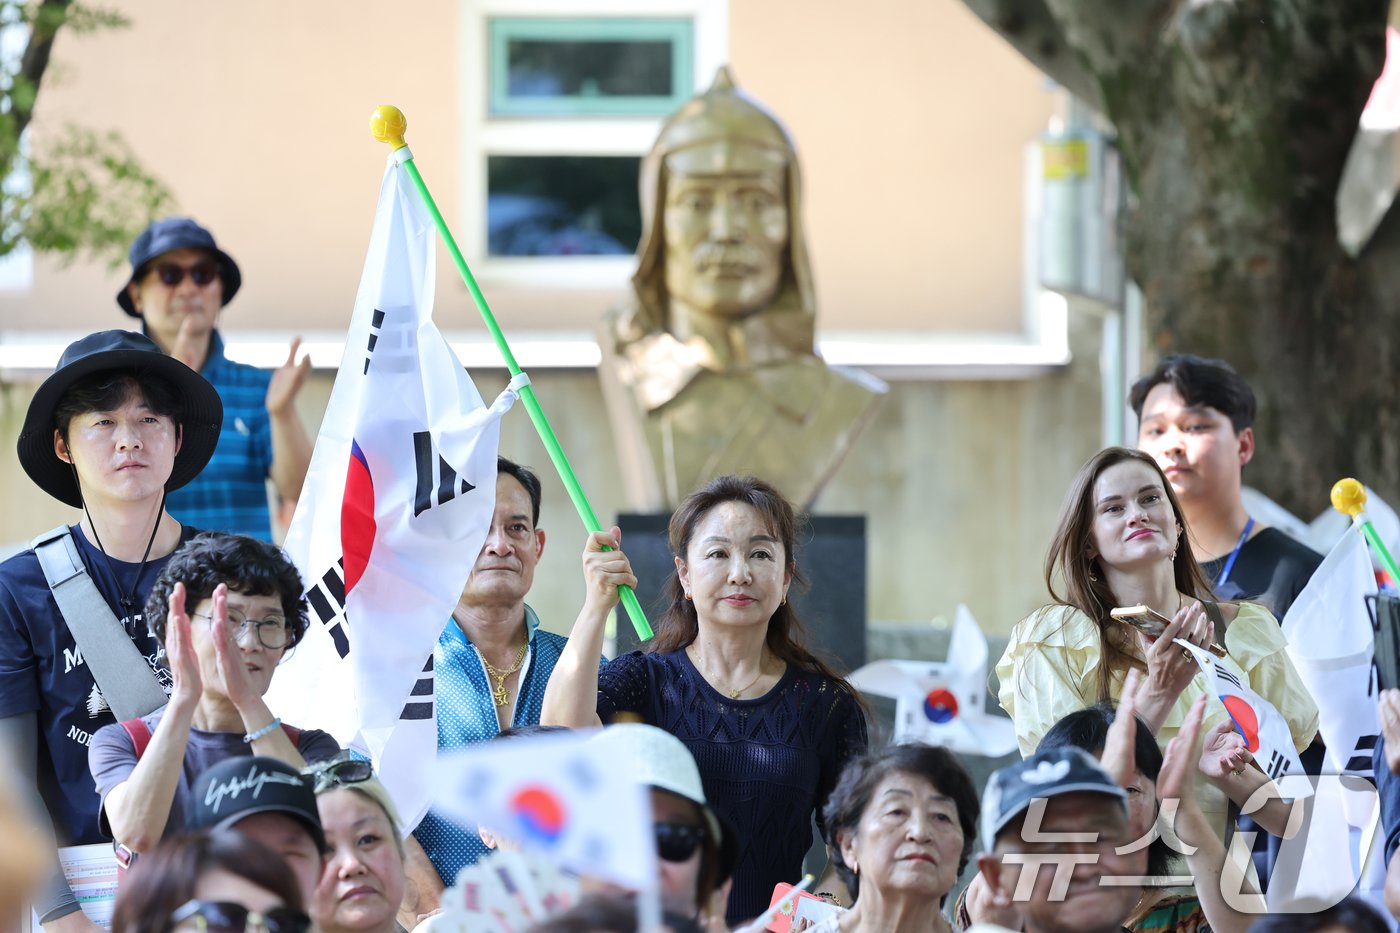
[388, 125]
[1349, 497]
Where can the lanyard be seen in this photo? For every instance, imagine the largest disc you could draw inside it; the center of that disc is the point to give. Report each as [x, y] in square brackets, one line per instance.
[1230, 561]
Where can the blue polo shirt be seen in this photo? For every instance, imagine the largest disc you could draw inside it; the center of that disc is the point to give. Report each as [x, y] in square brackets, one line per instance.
[230, 493]
[466, 714]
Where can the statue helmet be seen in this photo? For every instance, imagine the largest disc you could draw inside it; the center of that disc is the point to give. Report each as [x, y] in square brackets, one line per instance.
[723, 113]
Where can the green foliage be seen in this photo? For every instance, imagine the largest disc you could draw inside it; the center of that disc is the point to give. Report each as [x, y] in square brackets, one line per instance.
[82, 20]
[88, 194]
[76, 191]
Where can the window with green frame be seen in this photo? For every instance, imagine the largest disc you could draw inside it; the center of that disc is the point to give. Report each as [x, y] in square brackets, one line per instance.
[600, 66]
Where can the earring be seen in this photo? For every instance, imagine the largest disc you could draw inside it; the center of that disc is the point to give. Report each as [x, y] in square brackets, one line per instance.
[1093, 577]
[784, 602]
[1180, 533]
[687, 594]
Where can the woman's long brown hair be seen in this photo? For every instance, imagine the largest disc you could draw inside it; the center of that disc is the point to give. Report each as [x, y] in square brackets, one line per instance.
[679, 626]
[1068, 561]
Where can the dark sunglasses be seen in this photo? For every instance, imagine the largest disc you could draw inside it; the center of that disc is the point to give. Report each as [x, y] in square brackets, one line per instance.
[676, 842]
[338, 772]
[226, 917]
[173, 274]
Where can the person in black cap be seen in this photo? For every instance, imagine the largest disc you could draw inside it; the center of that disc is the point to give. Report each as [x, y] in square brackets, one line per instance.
[267, 800]
[180, 281]
[1061, 817]
[116, 427]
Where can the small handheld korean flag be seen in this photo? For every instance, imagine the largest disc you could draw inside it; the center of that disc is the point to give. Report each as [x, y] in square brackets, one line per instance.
[557, 794]
[943, 702]
[397, 503]
[1264, 730]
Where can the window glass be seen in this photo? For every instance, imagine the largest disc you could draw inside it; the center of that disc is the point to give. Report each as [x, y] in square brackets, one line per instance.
[562, 205]
[589, 66]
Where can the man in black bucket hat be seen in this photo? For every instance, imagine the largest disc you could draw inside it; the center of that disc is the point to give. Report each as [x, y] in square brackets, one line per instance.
[180, 281]
[117, 426]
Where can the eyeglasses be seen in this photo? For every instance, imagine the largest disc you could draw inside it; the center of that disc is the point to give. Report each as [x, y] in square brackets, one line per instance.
[271, 632]
[338, 772]
[676, 842]
[227, 917]
[173, 274]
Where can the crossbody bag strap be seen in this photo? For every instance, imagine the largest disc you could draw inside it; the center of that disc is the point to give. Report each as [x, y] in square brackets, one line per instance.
[1216, 616]
[127, 682]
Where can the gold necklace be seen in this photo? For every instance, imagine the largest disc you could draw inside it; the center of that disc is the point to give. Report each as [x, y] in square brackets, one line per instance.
[733, 693]
[499, 694]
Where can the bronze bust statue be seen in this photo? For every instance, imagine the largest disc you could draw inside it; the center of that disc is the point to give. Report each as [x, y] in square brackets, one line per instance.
[711, 367]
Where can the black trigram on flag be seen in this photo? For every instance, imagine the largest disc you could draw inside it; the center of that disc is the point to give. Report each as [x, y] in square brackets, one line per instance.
[1278, 765]
[1225, 674]
[327, 601]
[434, 473]
[375, 323]
[420, 698]
[1362, 758]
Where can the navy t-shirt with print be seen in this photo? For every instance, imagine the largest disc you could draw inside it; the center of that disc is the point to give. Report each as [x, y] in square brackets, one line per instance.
[42, 671]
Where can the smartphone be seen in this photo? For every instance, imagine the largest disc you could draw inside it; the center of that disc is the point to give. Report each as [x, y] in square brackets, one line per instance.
[806, 907]
[1152, 623]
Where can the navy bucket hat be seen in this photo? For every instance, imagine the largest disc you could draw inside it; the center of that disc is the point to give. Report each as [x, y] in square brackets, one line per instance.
[174, 233]
[200, 420]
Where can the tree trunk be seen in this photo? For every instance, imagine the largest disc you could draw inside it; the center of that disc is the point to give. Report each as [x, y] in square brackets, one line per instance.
[1235, 120]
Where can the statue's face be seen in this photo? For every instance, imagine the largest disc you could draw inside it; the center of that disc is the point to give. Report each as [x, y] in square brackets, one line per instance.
[726, 227]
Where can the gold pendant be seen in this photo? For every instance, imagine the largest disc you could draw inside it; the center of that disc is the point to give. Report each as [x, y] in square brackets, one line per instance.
[499, 694]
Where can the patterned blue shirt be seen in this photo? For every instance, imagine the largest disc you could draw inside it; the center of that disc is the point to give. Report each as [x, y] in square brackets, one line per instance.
[230, 494]
[466, 714]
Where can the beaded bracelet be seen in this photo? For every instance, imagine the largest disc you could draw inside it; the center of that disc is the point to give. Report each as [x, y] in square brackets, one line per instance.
[268, 729]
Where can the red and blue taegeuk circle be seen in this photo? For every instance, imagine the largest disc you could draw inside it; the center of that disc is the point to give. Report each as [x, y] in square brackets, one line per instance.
[941, 706]
[539, 814]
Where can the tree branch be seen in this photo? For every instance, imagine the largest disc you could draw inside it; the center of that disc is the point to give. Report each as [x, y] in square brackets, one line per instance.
[1031, 30]
[47, 20]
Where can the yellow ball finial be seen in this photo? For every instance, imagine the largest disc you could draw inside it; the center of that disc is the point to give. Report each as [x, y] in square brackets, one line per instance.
[388, 125]
[1349, 497]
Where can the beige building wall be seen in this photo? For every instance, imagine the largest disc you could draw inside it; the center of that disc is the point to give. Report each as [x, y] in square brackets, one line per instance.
[911, 120]
[910, 117]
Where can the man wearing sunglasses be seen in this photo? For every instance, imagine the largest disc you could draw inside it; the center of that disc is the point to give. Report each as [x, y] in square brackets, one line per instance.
[180, 281]
[696, 847]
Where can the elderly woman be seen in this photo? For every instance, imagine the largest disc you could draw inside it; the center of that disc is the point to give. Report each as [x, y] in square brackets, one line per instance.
[362, 881]
[901, 825]
[226, 609]
[221, 882]
[1121, 542]
[769, 725]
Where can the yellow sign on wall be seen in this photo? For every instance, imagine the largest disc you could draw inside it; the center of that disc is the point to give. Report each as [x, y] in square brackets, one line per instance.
[1065, 159]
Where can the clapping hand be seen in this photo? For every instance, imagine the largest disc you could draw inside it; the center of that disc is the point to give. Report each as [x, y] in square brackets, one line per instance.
[238, 682]
[1224, 751]
[287, 381]
[180, 654]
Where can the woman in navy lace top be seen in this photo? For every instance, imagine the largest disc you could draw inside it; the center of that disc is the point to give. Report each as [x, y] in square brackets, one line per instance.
[769, 724]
